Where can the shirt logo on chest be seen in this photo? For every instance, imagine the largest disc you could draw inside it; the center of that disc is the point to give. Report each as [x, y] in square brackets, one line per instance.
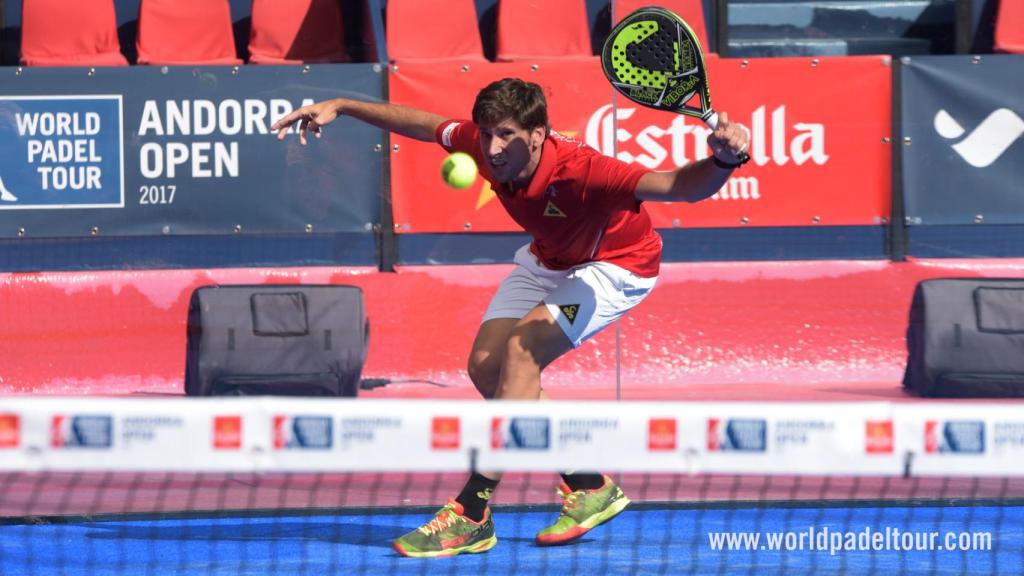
[553, 211]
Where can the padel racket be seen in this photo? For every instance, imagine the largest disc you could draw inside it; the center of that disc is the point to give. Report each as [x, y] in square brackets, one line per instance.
[653, 58]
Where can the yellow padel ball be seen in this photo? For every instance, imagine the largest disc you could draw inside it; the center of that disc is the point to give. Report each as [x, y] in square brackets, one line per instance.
[459, 170]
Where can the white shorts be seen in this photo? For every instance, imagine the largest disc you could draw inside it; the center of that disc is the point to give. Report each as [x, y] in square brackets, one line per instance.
[583, 300]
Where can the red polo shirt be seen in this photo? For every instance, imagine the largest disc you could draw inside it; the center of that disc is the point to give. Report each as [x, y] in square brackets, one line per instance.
[579, 206]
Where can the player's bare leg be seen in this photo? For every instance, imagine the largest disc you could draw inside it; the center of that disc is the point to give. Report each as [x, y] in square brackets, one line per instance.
[535, 341]
[507, 358]
[589, 499]
[488, 352]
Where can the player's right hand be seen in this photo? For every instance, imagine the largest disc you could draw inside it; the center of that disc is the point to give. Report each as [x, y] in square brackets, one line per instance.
[311, 118]
[729, 140]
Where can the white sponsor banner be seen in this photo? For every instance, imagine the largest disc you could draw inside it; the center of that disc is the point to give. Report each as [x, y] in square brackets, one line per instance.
[563, 436]
[788, 438]
[132, 434]
[349, 435]
[946, 438]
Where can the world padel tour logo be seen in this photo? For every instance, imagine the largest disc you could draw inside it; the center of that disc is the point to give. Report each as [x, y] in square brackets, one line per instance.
[10, 430]
[81, 431]
[737, 435]
[878, 437]
[954, 436]
[661, 434]
[445, 433]
[227, 432]
[61, 152]
[303, 432]
[520, 433]
[987, 141]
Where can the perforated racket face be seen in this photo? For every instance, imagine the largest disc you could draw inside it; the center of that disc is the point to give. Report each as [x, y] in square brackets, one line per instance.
[653, 58]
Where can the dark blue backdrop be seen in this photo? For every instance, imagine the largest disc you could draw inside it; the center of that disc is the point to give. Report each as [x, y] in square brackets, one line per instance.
[196, 152]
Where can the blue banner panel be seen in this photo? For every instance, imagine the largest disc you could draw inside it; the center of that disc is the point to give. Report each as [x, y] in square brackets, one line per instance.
[181, 150]
[963, 151]
[61, 153]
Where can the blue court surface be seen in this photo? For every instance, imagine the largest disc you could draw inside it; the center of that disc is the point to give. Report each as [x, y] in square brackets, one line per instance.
[642, 540]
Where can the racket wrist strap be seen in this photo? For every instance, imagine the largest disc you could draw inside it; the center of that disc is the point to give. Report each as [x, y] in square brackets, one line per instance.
[729, 165]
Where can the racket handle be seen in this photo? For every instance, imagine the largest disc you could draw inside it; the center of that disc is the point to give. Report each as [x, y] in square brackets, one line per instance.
[712, 122]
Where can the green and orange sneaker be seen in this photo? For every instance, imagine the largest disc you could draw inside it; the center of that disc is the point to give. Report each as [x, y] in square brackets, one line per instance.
[448, 534]
[583, 510]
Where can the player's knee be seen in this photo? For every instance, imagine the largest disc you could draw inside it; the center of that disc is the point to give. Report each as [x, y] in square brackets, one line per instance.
[485, 373]
[518, 356]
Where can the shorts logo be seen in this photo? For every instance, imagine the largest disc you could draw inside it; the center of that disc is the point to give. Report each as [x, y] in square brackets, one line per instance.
[553, 211]
[661, 435]
[227, 432]
[878, 437]
[10, 430]
[444, 433]
[520, 433]
[737, 435]
[570, 311]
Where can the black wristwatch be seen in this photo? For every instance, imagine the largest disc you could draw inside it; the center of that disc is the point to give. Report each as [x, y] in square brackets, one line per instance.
[728, 166]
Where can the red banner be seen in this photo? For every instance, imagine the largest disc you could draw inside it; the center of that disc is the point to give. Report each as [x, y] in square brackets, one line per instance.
[820, 152]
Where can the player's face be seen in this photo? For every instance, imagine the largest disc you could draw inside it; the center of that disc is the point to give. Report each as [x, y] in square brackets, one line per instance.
[512, 151]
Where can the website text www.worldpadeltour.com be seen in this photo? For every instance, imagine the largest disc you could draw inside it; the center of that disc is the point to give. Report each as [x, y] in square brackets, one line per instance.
[834, 541]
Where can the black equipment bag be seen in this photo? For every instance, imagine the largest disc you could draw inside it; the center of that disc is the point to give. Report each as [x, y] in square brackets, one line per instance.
[966, 338]
[295, 340]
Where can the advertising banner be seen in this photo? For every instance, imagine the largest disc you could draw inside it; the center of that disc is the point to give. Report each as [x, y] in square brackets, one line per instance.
[181, 150]
[830, 440]
[988, 440]
[963, 153]
[820, 152]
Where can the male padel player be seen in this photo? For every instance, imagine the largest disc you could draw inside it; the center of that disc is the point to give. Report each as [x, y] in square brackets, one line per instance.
[594, 256]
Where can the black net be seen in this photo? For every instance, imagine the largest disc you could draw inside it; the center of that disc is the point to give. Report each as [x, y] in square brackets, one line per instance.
[344, 523]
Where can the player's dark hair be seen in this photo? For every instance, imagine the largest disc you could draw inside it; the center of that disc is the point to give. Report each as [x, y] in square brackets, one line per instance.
[512, 99]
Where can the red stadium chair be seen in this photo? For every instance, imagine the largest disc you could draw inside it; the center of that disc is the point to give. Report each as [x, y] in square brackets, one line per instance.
[1009, 35]
[62, 33]
[420, 30]
[186, 32]
[542, 30]
[297, 32]
[692, 11]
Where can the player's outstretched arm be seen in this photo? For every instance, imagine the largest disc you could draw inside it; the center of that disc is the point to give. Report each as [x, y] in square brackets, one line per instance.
[698, 180]
[410, 122]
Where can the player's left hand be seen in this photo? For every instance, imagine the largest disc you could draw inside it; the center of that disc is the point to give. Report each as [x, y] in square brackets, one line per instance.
[311, 118]
[728, 140]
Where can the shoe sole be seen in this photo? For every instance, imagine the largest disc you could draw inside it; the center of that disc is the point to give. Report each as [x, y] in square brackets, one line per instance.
[482, 546]
[585, 526]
